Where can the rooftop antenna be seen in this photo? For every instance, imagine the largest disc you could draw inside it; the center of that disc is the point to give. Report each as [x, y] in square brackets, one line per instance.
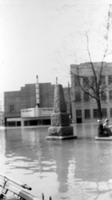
[37, 91]
[56, 80]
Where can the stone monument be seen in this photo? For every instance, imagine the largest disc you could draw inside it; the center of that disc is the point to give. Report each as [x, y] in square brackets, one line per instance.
[60, 124]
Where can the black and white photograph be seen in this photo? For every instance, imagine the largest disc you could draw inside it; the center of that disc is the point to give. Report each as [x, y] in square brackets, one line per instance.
[55, 99]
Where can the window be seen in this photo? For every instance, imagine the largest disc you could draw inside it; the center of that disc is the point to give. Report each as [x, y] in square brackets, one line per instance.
[104, 112]
[92, 80]
[11, 108]
[103, 80]
[95, 113]
[78, 113]
[110, 112]
[86, 97]
[87, 114]
[77, 96]
[110, 79]
[110, 95]
[85, 81]
[103, 96]
[79, 116]
[77, 80]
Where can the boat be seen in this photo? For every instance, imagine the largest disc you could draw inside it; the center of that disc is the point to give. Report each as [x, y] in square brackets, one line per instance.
[104, 132]
[11, 190]
[109, 138]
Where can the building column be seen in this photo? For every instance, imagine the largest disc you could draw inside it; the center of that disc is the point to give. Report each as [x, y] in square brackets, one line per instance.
[22, 122]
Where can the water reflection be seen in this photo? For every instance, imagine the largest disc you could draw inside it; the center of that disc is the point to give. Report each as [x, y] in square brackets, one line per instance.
[86, 130]
[63, 169]
[29, 146]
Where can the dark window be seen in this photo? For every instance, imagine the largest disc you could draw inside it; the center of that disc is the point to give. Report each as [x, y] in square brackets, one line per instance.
[110, 112]
[77, 96]
[18, 123]
[92, 80]
[110, 79]
[95, 113]
[87, 114]
[77, 80]
[78, 113]
[86, 97]
[85, 81]
[103, 96]
[104, 112]
[103, 80]
[13, 123]
[110, 95]
[11, 108]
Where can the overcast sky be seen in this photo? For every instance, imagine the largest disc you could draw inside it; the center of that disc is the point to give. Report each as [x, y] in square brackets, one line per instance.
[44, 37]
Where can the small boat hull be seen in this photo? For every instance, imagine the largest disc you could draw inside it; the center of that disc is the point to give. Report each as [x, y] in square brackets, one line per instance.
[109, 138]
[11, 190]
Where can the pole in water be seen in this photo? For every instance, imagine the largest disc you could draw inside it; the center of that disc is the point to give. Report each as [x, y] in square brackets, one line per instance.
[42, 196]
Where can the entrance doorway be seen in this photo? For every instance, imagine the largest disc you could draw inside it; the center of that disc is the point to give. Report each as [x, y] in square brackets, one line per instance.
[78, 116]
[79, 120]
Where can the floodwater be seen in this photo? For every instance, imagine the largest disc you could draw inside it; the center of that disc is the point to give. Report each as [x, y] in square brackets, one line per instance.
[77, 169]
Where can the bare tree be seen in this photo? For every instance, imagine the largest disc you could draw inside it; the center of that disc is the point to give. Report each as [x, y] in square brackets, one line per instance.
[95, 87]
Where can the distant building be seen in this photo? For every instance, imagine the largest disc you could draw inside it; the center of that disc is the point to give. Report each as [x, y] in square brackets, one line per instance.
[1, 118]
[84, 108]
[32, 105]
[20, 106]
[67, 95]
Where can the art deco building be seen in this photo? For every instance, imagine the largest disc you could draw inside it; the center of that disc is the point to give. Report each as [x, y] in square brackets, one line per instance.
[84, 108]
[32, 105]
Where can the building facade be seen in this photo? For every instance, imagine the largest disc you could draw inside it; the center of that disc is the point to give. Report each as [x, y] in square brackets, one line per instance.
[32, 105]
[84, 108]
[20, 106]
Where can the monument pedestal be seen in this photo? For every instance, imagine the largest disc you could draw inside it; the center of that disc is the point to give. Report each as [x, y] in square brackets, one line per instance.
[60, 128]
[61, 132]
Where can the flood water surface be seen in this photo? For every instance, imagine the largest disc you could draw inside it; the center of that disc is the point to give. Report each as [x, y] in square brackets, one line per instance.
[77, 169]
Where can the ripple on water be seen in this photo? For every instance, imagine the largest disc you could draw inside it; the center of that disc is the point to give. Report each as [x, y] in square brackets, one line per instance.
[76, 169]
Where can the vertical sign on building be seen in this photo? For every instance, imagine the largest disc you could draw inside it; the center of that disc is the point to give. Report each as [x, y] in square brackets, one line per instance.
[37, 92]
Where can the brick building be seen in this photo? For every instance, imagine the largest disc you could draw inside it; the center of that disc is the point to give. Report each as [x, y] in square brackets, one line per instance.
[84, 108]
[19, 106]
[29, 106]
